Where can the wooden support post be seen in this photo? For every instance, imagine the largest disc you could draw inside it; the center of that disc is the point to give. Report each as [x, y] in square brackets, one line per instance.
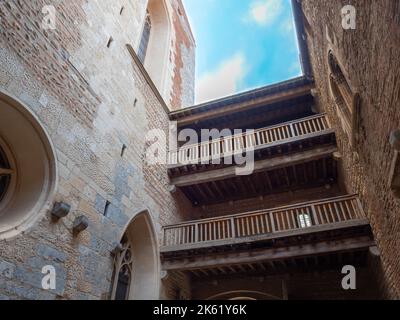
[233, 228]
[196, 233]
[292, 132]
[272, 222]
[314, 214]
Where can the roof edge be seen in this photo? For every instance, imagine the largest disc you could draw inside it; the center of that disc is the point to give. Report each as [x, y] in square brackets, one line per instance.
[243, 96]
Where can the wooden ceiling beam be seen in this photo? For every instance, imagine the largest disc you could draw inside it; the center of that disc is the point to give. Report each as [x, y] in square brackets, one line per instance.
[259, 166]
[267, 254]
[246, 105]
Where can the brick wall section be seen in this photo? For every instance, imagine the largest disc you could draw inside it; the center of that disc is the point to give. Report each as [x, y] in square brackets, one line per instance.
[370, 58]
[46, 53]
[184, 62]
[83, 93]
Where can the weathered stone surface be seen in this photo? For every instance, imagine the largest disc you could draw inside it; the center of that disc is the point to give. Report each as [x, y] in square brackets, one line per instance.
[83, 94]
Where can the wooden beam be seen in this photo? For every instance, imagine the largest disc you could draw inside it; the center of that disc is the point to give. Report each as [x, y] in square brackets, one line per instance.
[268, 179]
[232, 269]
[203, 196]
[246, 105]
[4, 171]
[222, 270]
[218, 189]
[204, 272]
[253, 256]
[259, 166]
[251, 267]
[195, 273]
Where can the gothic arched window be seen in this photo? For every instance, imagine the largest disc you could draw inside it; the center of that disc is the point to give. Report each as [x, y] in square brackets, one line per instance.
[123, 268]
[136, 273]
[347, 102]
[154, 46]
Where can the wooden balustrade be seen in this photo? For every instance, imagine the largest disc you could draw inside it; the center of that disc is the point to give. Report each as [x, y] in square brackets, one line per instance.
[271, 221]
[227, 146]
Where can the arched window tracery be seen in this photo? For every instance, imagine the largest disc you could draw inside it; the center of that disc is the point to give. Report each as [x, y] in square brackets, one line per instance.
[347, 102]
[6, 173]
[123, 266]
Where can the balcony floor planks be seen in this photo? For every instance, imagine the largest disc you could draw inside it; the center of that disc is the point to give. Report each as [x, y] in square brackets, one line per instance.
[270, 254]
[259, 166]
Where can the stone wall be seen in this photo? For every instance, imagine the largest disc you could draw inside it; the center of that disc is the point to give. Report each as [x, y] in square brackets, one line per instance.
[369, 57]
[91, 99]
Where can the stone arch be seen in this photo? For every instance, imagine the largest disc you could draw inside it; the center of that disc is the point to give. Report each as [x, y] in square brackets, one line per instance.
[157, 56]
[30, 165]
[140, 242]
[243, 295]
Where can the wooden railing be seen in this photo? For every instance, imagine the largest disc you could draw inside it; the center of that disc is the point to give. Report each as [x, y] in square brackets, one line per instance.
[247, 141]
[271, 221]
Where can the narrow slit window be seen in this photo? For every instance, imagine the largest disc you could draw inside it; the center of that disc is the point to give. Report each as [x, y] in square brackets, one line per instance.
[110, 41]
[124, 147]
[106, 208]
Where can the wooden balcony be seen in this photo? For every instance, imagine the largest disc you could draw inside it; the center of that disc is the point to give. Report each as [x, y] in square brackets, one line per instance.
[291, 232]
[288, 157]
[210, 152]
[248, 226]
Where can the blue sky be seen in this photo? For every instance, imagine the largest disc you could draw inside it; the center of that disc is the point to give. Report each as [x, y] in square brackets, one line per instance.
[241, 45]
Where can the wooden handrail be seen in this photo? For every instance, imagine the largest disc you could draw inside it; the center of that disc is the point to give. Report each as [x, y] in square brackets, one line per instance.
[291, 206]
[321, 115]
[292, 217]
[238, 143]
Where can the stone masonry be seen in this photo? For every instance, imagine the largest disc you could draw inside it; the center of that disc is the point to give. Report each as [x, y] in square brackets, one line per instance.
[84, 94]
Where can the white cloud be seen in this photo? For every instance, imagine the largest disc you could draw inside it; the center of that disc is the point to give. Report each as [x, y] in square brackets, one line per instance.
[223, 81]
[288, 26]
[265, 12]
